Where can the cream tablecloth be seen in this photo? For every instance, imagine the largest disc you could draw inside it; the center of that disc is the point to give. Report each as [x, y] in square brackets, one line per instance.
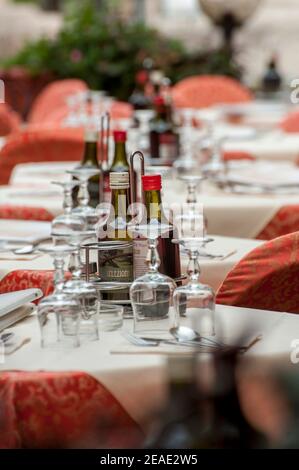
[138, 380]
[213, 271]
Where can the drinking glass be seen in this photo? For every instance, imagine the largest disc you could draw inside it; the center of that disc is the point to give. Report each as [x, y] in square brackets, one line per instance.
[195, 301]
[151, 294]
[82, 290]
[68, 222]
[84, 210]
[144, 116]
[58, 314]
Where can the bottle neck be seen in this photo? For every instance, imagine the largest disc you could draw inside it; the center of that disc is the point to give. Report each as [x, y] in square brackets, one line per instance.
[153, 204]
[120, 155]
[90, 156]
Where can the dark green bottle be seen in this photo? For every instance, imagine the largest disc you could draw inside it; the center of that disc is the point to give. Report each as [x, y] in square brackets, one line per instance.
[90, 160]
[119, 164]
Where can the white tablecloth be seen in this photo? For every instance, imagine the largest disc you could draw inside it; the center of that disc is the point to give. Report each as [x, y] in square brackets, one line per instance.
[213, 271]
[138, 380]
[232, 215]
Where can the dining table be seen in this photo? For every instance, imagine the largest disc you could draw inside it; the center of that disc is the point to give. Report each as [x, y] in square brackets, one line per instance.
[136, 376]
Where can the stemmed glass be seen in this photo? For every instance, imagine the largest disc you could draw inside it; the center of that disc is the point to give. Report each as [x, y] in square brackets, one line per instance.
[194, 300]
[83, 290]
[68, 222]
[188, 170]
[144, 116]
[84, 210]
[58, 313]
[151, 294]
[212, 145]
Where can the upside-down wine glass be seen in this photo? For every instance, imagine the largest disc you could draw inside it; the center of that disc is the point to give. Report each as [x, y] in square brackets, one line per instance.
[68, 222]
[151, 294]
[84, 210]
[58, 313]
[195, 301]
[82, 290]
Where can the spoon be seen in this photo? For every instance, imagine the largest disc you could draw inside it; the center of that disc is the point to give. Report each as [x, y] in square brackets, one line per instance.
[28, 249]
[185, 333]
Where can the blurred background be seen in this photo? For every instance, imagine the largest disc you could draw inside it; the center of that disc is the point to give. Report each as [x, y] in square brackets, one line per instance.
[104, 42]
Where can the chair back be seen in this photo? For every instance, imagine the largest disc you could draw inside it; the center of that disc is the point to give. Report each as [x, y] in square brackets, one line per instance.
[267, 278]
[202, 91]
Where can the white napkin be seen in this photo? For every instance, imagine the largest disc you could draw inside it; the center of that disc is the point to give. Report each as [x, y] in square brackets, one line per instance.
[10, 318]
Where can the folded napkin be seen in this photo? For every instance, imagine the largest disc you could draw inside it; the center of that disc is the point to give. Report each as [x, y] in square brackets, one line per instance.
[10, 318]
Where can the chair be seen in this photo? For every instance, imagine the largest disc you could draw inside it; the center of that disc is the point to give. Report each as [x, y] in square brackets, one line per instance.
[290, 123]
[267, 278]
[285, 221]
[9, 120]
[50, 410]
[202, 91]
[27, 279]
[53, 97]
[44, 145]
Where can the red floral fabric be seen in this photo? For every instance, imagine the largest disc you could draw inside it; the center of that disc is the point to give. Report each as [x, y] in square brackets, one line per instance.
[236, 155]
[27, 279]
[62, 410]
[207, 90]
[40, 145]
[25, 213]
[9, 120]
[285, 221]
[267, 278]
[53, 96]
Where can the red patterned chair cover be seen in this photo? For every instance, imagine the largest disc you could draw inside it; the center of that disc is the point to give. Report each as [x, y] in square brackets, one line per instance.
[40, 145]
[57, 117]
[291, 122]
[27, 279]
[285, 221]
[121, 110]
[25, 213]
[267, 278]
[202, 91]
[236, 155]
[9, 120]
[62, 410]
[53, 96]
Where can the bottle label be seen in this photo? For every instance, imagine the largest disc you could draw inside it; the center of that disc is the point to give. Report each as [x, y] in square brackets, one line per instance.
[116, 265]
[140, 250]
[168, 148]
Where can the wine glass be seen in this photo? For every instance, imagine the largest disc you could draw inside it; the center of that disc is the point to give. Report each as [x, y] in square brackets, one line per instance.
[58, 314]
[151, 294]
[188, 171]
[68, 222]
[195, 300]
[144, 116]
[84, 210]
[82, 290]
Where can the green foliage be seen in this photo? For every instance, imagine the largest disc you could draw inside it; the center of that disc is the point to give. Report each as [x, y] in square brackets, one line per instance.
[98, 47]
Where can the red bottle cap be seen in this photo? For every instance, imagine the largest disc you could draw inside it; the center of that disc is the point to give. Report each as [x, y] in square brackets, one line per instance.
[151, 182]
[120, 136]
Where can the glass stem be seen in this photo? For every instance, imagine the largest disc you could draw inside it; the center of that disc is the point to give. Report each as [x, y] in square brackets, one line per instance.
[83, 196]
[193, 269]
[58, 274]
[75, 264]
[191, 197]
[153, 258]
[68, 201]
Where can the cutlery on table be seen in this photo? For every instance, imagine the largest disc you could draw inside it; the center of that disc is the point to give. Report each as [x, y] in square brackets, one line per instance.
[30, 248]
